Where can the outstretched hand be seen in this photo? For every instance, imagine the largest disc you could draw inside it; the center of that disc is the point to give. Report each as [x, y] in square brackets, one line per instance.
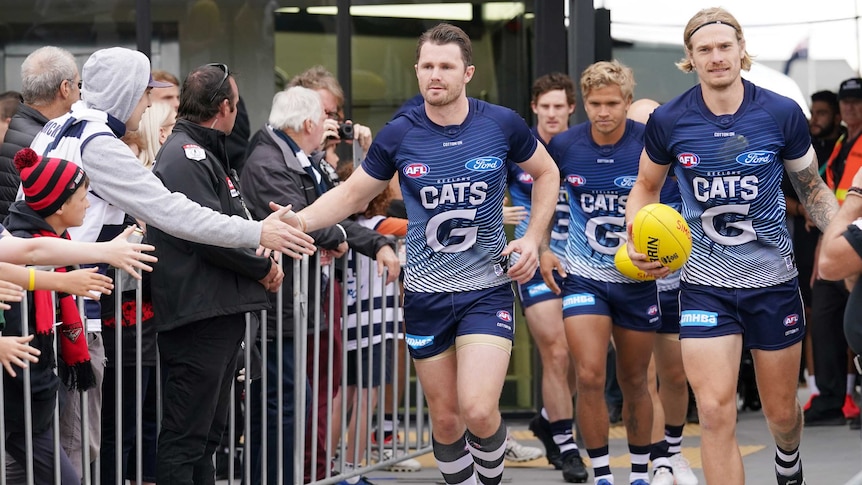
[282, 232]
[16, 350]
[9, 292]
[127, 256]
[85, 282]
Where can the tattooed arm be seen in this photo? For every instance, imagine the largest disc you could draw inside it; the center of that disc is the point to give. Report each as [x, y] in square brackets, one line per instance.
[815, 196]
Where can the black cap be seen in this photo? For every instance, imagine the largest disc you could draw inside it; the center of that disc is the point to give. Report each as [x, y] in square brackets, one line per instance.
[851, 88]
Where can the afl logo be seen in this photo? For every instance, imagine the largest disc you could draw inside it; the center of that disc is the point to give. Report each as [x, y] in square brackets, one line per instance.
[758, 157]
[415, 170]
[504, 316]
[575, 180]
[652, 310]
[791, 320]
[525, 178]
[626, 182]
[484, 164]
[688, 160]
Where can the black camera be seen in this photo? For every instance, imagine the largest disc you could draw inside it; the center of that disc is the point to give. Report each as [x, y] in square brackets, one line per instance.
[345, 131]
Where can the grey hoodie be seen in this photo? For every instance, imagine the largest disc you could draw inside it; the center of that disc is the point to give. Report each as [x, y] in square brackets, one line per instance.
[114, 80]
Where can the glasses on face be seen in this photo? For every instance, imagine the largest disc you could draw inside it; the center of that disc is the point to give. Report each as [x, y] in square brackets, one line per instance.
[72, 83]
[224, 68]
[333, 115]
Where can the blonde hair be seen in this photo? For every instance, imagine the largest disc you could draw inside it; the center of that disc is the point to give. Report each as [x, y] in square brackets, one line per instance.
[153, 119]
[714, 15]
[606, 73]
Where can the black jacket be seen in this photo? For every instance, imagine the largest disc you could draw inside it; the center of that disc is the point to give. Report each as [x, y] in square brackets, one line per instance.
[192, 281]
[25, 124]
[273, 173]
[44, 383]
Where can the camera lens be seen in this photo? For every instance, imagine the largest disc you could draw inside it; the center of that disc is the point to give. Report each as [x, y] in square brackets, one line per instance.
[345, 131]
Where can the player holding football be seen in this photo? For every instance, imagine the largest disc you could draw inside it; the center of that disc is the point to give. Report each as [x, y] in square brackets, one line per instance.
[729, 142]
[598, 161]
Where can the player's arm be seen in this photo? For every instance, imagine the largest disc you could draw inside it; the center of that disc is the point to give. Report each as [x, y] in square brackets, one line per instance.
[839, 255]
[543, 204]
[818, 200]
[646, 190]
[348, 198]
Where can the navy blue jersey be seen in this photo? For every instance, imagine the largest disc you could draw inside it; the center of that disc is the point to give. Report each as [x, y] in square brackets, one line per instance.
[598, 179]
[521, 191]
[453, 179]
[729, 169]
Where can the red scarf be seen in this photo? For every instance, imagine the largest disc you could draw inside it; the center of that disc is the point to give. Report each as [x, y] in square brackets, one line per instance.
[78, 372]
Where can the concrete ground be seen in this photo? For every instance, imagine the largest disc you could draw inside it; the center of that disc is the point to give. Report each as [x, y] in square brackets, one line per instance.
[830, 456]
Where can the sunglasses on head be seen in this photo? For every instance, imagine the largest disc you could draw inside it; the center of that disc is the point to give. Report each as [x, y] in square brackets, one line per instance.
[224, 68]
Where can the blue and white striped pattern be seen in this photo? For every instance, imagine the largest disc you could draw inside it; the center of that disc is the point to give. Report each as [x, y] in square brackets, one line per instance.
[453, 179]
[729, 169]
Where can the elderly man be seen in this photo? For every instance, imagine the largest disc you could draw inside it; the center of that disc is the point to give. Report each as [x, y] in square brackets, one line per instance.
[282, 166]
[50, 84]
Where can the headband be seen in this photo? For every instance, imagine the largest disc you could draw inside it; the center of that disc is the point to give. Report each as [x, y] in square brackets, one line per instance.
[721, 22]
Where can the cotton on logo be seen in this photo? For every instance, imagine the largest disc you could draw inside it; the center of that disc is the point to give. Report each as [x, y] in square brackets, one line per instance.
[416, 170]
[791, 320]
[688, 160]
[504, 316]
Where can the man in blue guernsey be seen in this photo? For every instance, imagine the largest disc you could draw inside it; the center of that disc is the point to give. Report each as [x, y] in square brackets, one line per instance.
[728, 142]
[598, 161]
[451, 154]
[553, 102]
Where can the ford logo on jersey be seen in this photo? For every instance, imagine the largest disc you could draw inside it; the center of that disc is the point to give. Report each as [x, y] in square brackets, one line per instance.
[525, 178]
[791, 320]
[484, 164]
[416, 170]
[575, 180]
[688, 160]
[758, 157]
[626, 182]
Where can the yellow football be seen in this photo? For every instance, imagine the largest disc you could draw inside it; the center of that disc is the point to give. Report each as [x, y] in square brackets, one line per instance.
[627, 268]
[662, 234]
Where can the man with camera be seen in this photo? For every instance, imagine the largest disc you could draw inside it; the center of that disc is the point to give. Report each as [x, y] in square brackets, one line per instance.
[336, 128]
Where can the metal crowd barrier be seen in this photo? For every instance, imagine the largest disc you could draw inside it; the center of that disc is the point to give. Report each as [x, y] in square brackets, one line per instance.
[412, 428]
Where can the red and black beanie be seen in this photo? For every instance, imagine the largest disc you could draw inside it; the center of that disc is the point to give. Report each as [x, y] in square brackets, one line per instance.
[47, 182]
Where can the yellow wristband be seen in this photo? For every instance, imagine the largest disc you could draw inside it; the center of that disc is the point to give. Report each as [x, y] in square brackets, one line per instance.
[32, 280]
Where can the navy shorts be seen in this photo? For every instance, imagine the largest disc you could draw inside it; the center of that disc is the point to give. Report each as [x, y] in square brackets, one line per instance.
[536, 291]
[433, 320]
[630, 305]
[669, 304]
[769, 318]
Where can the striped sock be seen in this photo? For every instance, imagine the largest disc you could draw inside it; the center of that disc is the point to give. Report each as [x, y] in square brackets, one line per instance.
[488, 455]
[563, 437]
[454, 462]
[640, 463]
[658, 454]
[673, 436]
[786, 462]
[601, 461]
